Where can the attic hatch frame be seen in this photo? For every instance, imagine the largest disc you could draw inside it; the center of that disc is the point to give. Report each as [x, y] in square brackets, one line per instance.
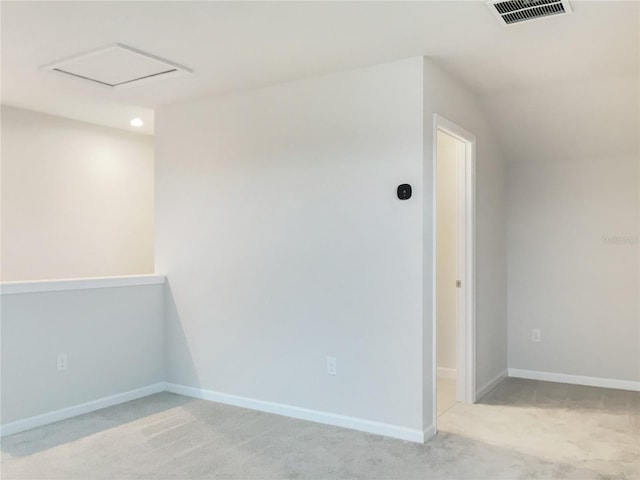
[516, 12]
[170, 69]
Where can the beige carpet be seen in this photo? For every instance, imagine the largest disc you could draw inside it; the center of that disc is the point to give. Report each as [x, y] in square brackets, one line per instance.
[523, 429]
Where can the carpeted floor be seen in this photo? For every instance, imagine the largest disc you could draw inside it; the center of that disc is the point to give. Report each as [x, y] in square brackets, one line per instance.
[523, 429]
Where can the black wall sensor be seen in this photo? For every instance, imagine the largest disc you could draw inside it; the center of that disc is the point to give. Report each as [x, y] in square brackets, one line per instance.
[404, 191]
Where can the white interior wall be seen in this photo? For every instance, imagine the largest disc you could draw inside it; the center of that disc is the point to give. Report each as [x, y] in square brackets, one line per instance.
[284, 242]
[446, 250]
[573, 266]
[77, 199]
[278, 226]
[444, 96]
[113, 339]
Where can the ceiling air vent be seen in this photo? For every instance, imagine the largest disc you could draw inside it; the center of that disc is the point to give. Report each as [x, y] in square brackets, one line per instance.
[116, 66]
[516, 11]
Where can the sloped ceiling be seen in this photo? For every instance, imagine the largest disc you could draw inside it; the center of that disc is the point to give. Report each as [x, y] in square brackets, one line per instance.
[568, 120]
[553, 87]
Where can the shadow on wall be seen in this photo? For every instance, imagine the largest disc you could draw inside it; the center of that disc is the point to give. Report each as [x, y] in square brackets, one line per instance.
[45, 438]
[178, 362]
[178, 368]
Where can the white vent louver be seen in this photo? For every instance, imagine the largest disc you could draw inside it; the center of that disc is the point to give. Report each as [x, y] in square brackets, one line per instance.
[516, 11]
[116, 66]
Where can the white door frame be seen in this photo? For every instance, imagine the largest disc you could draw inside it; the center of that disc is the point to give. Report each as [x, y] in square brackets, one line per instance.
[466, 296]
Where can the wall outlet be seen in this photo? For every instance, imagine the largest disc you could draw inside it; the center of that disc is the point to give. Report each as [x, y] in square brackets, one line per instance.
[332, 366]
[535, 335]
[62, 361]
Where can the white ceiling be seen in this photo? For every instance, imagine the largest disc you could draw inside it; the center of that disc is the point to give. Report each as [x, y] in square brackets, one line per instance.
[532, 78]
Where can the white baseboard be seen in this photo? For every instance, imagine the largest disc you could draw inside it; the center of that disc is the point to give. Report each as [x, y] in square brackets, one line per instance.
[429, 432]
[491, 384]
[445, 372]
[81, 409]
[378, 428]
[385, 429]
[575, 379]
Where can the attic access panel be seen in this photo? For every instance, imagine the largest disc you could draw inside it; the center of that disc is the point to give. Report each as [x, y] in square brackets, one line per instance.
[510, 12]
[117, 66]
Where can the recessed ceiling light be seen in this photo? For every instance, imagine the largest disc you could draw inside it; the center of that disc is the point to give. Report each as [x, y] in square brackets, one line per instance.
[137, 122]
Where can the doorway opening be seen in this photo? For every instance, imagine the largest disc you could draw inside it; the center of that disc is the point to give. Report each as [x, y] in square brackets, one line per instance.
[454, 258]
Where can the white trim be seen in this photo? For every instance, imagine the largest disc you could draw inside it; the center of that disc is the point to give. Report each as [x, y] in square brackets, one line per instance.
[576, 379]
[353, 423]
[491, 384]
[461, 269]
[445, 372]
[434, 278]
[81, 409]
[471, 273]
[385, 429]
[429, 432]
[466, 367]
[13, 288]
